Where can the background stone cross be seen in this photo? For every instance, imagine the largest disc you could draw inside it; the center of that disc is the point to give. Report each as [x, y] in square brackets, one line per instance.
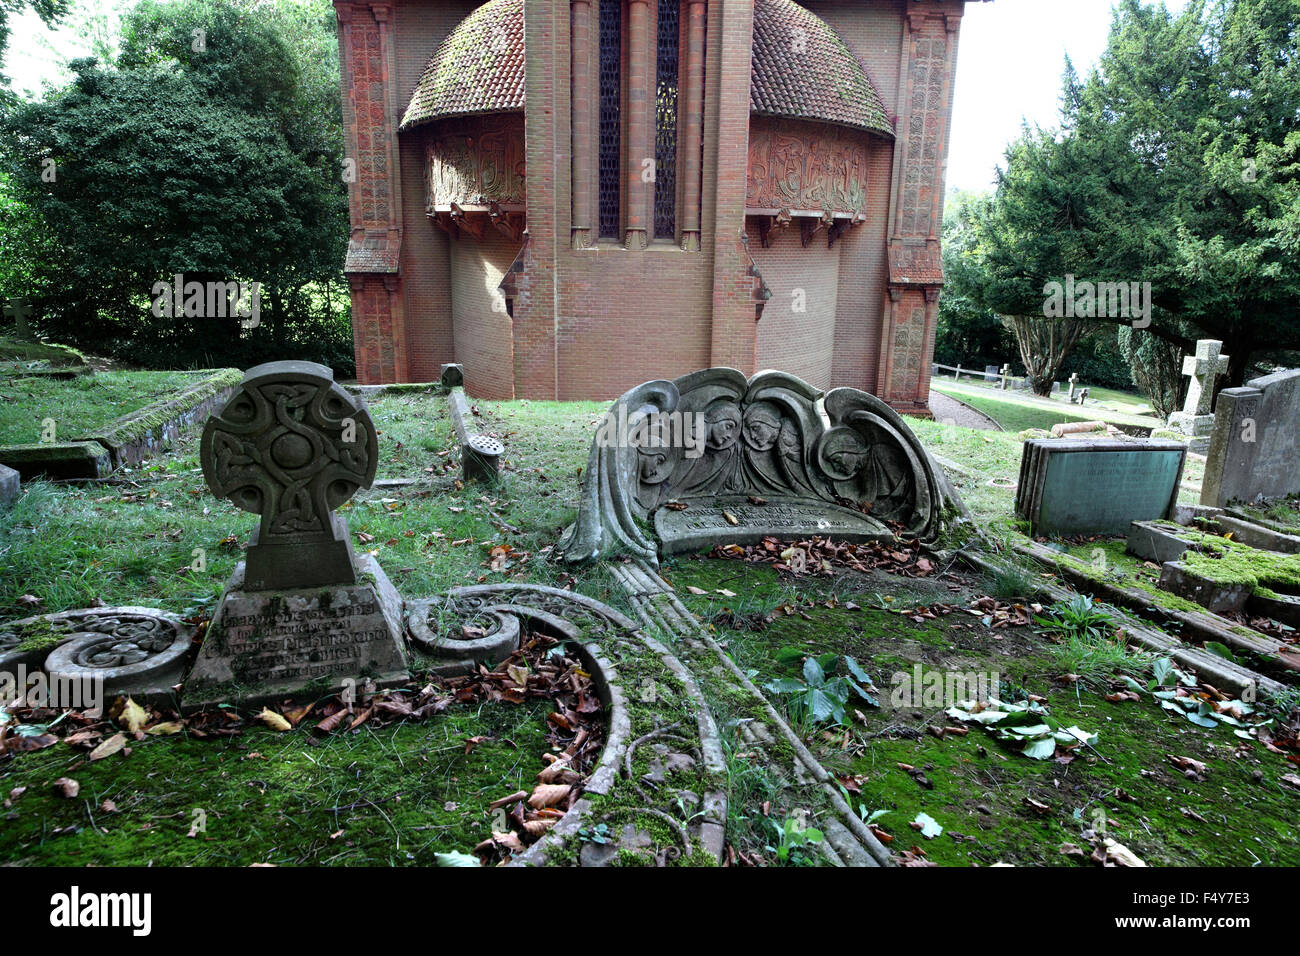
[1203, 367]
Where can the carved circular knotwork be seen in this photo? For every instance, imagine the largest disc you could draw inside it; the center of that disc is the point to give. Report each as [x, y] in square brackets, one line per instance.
[290, 445]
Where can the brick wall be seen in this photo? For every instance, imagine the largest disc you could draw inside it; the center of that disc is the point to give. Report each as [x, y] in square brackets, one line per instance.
[800, 343]
[589, 323]
[483, 331]
[426, 256]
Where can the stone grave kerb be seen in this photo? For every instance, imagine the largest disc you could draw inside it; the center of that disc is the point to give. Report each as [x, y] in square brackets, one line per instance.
[291, 446]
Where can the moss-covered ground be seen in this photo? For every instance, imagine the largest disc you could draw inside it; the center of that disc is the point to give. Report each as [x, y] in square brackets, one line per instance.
[979, 788]
[377, 796]
[392, 796]
[79, 405]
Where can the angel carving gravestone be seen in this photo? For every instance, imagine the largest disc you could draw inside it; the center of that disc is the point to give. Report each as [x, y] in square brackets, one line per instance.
[715, 458]
[301, 609]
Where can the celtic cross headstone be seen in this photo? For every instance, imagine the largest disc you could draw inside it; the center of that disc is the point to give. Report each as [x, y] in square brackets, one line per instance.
[291, 446]
[1196, 420]
[301, 609]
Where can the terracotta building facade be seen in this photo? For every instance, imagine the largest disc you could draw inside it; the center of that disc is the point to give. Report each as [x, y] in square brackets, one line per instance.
[570, 197]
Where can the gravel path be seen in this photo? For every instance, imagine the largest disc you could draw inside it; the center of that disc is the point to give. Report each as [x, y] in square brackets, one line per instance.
[950, 411]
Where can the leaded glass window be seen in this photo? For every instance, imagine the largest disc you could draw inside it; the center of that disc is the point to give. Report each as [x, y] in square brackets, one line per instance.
[666, 119]
[609, 166]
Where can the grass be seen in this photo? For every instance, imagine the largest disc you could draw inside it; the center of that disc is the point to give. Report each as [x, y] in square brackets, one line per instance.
[134, 543]
[395, 796]
[79, 405]
[1017, 411]
[404, 793]
[1241, 814]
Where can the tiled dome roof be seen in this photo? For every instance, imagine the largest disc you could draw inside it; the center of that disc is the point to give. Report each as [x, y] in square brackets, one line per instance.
[801, 69]
[479, 68]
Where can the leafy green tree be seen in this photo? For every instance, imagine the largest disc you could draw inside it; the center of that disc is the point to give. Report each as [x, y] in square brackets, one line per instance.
[968, 333]
[202, 154]
[1177, 163]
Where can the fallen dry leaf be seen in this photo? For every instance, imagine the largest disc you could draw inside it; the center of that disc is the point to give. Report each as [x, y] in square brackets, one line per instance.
[109, 747]
[273, 720]
[133, 717]
[548, 795]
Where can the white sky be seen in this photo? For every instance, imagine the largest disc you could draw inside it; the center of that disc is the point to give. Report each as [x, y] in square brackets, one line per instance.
[1009, 67]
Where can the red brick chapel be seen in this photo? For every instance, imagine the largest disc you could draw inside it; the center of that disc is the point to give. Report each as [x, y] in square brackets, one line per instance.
[570, 197]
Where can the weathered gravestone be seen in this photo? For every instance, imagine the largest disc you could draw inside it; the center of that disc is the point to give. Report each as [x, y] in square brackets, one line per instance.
[714, 458]
[301, 610]
[18, 310]
[1255, 445]
[1075, 486]
[1196, 419]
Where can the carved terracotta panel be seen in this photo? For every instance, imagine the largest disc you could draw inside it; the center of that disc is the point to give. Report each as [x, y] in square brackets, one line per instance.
[795, 165]
[476, 162]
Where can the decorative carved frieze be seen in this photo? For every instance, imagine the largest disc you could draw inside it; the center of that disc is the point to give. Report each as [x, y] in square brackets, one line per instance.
[795, 165]
[476, 163]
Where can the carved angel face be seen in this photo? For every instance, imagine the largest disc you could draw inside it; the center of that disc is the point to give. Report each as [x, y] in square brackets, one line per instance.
[723, 420]
[762, 426]
[845, 453]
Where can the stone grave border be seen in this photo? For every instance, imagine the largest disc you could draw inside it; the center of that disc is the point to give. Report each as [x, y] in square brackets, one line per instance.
[1164, 546]
[107, 648]
[127, 440]
[1199, 625]
[849, 842]
[65, 362]
[480, 454]
[1225, 674]
[623, 660]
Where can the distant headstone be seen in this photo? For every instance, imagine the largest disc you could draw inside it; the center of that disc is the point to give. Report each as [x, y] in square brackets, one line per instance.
[714, 458]
[1074, 383]
[291, 445]
[1075, 486]
[1196, 420]
[1005, 373]
[17, 311]
[1255, 446]
[990, 373]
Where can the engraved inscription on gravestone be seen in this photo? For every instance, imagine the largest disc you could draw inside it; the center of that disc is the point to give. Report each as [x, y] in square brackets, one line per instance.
[292, 446]
[705, 522]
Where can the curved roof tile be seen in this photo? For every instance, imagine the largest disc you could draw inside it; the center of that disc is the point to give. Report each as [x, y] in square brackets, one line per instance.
[478, 68]
[801, 69]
